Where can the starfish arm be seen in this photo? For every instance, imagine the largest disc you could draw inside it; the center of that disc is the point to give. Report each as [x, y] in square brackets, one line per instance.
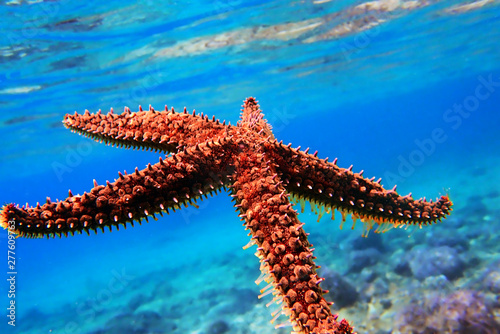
[330, 187]
[252, 118]
[166, 131]
[284, 252]
[167, 185]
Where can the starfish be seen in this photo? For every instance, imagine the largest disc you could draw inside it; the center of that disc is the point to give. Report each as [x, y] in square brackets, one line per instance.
[264, 177]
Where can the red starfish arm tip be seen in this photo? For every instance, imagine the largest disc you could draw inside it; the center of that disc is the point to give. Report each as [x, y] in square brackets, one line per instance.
[283, 249]
[167, 185]
[165, 131]
[312, 179]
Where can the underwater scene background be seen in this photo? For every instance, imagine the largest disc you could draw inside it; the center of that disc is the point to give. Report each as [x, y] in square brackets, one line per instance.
[408, 91]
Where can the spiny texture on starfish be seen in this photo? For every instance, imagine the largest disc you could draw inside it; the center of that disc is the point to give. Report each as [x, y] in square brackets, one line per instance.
[261, 173]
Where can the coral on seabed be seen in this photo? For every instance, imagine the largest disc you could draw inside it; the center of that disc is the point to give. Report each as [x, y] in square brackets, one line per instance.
[461, 312]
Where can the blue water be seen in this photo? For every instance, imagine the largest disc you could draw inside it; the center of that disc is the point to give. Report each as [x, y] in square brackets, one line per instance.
[379, 95]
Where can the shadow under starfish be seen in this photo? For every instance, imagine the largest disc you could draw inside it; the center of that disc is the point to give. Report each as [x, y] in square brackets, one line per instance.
[261, 174]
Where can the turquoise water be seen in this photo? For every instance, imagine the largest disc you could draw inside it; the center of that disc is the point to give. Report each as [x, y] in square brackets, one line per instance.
[376, 84]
